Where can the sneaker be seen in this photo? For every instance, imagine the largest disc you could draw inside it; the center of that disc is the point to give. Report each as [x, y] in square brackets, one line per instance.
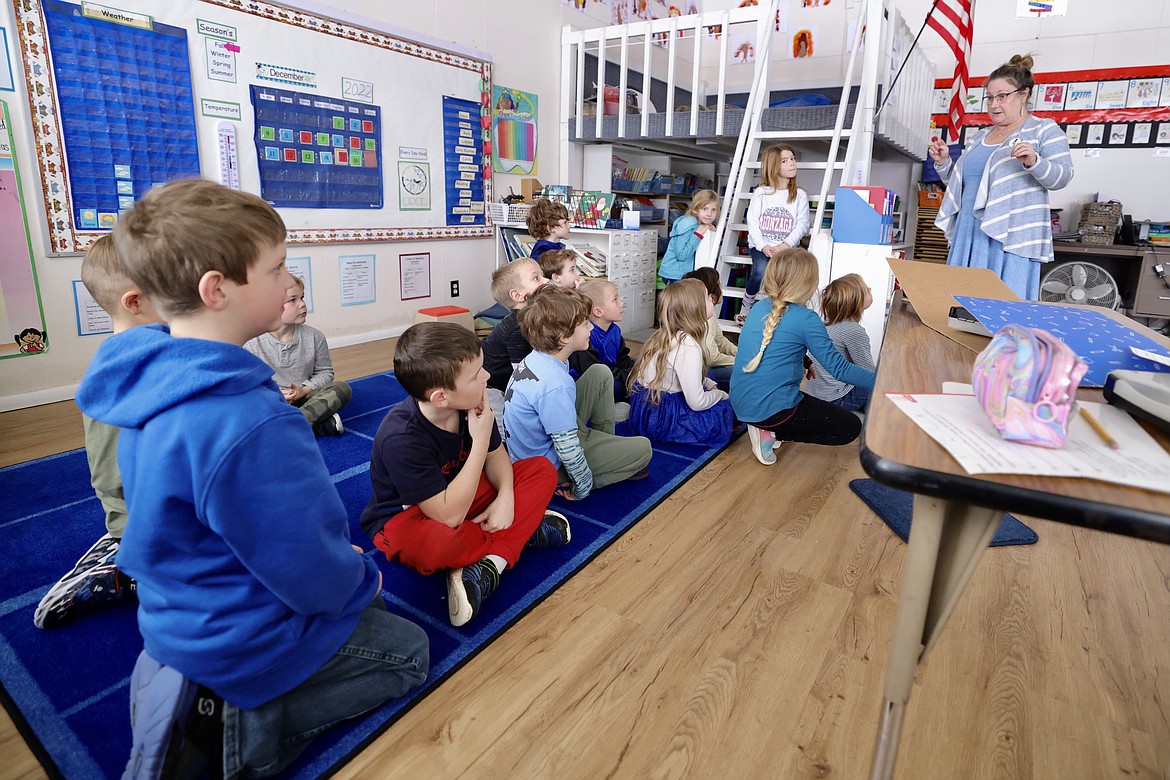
[330, 426]
[621, 412]
[741, 318]
[763, 445]
[102, 551]
[553, 531]
[101, 584]
[468, 587]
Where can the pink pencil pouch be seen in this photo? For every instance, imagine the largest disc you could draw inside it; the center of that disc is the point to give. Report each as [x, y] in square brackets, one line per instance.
[1026, 380]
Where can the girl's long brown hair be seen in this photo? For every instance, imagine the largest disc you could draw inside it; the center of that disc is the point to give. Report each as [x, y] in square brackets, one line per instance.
[770, 169]
[682, 309]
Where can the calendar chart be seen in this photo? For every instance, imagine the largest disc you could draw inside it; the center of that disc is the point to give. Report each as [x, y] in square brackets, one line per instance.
[317, 152]
[126, 106]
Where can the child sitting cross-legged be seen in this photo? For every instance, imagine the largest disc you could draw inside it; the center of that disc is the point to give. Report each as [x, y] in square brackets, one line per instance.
[548, 223]
[446, 496]
[718, 351]
[506, 346]
[247, 582]
[842, 302]
[571, 424]
[299, 356]
[606, 343]
[671, 398]
[765, 388]
[559, 266]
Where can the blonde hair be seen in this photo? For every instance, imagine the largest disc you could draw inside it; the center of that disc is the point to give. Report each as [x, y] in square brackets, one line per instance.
[104, 276]
[298, 281]
[596, 290]
[506, 278]
[179, 231]
[682, 309]
[844, 299]
[702, 199]
[770, 169]
[791, 277]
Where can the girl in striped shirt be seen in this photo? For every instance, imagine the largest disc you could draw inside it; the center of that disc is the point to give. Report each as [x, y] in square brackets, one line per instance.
[842, 302]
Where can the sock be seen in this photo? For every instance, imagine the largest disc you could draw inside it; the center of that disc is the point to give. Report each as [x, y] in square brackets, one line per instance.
[498, 562]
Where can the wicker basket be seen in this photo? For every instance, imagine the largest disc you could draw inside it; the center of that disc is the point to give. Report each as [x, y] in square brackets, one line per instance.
[1099, 222]
[508, 212]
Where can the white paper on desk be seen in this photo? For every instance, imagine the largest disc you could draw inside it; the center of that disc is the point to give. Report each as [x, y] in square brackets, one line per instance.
[962, 428]
[1154, 356]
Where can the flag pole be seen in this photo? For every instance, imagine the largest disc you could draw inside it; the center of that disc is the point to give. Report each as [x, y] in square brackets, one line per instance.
[905, 59]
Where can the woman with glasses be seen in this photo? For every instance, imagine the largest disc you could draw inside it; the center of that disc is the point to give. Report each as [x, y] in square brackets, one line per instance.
[996, 210]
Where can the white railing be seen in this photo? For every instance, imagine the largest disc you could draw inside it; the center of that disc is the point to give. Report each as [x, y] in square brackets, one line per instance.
[661, 45]
[679, 53]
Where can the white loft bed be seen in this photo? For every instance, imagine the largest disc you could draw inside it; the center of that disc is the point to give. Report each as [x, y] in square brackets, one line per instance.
[678, 75]
[690, 118]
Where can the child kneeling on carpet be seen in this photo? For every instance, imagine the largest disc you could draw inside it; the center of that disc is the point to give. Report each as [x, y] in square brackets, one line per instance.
[250, 588]
[446, 495]
[671, 398]
[95, 579]
[765, 388]
[718, 351]
[842, 302]
[572, 424]
[299, 355]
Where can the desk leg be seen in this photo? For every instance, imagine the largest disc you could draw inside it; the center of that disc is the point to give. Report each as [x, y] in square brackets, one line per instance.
[947, 538]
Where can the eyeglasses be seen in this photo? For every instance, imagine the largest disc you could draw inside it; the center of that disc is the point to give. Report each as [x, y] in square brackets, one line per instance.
[1001, 97]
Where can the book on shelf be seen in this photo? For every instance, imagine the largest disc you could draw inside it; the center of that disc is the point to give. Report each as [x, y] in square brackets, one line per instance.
[591, 260]
[589, 208]
[517, 243]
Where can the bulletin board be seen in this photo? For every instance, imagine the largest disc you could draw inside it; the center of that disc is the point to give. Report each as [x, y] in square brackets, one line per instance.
[340, 122]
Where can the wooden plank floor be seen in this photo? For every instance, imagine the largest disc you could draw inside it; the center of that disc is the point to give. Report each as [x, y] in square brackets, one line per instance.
[741, 630]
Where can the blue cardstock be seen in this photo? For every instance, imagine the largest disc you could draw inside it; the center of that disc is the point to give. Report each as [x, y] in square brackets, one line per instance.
[1103, 343]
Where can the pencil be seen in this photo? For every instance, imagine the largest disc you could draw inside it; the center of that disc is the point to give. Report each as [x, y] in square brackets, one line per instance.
[1100, 429]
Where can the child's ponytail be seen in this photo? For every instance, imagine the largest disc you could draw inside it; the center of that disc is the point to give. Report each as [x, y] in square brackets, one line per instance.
[778, 309]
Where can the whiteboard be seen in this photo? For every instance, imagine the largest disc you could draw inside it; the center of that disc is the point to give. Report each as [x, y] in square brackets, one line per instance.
[381, 137]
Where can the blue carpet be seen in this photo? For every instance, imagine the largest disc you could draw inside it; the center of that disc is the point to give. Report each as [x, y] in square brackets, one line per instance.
[895, 507]
[68, 688]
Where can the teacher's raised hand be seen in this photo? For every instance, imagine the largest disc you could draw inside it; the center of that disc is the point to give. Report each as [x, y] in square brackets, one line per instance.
[938, 151]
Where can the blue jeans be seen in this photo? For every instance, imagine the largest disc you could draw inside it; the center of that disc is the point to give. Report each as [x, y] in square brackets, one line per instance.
[384, 658]
[855, 400]
[721, 375]
[759, 263]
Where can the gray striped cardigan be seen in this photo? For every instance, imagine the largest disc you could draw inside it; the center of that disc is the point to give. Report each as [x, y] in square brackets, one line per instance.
[1012, 201]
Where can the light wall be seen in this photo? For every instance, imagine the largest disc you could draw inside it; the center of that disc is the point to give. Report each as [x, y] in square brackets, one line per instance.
[523, 38]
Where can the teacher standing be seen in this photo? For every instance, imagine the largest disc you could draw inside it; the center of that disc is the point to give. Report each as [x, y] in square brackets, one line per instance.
[996, 213]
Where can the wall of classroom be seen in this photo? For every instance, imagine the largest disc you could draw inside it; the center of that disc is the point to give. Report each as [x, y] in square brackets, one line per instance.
[1092, 35]
[523, 38]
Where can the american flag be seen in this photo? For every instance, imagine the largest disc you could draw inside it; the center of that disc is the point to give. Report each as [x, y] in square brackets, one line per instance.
[953, 20]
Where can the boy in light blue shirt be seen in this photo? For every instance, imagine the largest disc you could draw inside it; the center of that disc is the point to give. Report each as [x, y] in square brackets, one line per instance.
[571, 424]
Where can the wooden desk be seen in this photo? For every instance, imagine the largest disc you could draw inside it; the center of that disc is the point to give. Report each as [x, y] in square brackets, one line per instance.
[955, 513]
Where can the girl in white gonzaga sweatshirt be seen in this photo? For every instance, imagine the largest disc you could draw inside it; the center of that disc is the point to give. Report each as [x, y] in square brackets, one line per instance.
[777, 216]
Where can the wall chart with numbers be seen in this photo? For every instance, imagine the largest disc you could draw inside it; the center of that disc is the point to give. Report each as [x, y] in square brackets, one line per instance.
[336, 120]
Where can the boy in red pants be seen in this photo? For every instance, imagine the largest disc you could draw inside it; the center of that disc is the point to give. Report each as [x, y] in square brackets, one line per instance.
[446, 495]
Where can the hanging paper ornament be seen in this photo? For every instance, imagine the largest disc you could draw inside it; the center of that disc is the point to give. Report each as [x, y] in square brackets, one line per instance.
[485, 99]
[487, 148]
[487, 171]
[485, 122]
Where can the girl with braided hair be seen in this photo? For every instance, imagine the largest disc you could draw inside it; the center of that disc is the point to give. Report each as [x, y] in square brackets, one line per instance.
[772, 360]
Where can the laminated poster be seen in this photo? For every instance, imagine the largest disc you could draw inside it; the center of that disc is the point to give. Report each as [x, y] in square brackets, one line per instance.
[21, 313]
[514, 128]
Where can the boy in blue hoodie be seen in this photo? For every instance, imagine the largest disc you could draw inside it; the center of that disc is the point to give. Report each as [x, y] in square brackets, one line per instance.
[606, 343]
[247, 582]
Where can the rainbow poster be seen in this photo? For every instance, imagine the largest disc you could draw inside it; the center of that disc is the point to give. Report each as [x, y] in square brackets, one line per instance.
[514, 130]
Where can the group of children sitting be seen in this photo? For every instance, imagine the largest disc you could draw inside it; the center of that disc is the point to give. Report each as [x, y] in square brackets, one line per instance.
[223, 522]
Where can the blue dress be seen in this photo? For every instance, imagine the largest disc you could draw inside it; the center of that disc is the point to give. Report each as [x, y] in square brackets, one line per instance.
[974, 248]
[672, 420]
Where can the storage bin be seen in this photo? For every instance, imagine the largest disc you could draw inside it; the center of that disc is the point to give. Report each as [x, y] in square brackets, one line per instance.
[929, 199]
[508, 212]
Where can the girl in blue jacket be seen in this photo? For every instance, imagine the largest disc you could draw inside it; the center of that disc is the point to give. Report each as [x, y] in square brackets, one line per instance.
[690, 232]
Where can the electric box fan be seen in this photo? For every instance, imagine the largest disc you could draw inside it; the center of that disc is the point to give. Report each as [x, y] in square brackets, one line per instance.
[1080, 282]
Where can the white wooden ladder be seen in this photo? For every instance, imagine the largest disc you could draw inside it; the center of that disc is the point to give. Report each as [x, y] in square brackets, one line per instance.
[745, 165]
